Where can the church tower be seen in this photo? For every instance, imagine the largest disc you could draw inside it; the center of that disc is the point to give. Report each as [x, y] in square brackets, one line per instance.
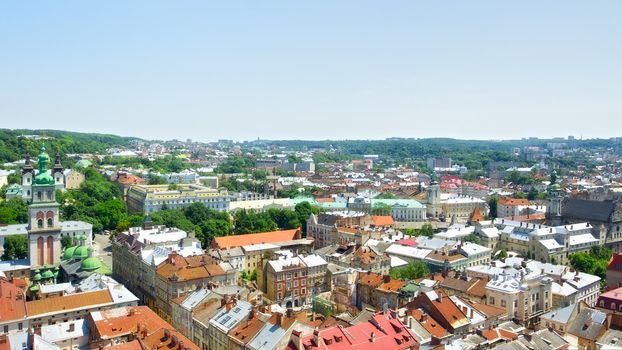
[433, 207]
[554, 209]
[58, 173]
[28, 173]
[44, 246]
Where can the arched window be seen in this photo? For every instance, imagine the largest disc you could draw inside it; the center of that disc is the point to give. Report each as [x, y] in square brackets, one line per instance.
[39, 195]
[49, 195]
[50, 222]
[39, 223]
[613, 306]
[40, 251]
[602, 303]
[50, 246]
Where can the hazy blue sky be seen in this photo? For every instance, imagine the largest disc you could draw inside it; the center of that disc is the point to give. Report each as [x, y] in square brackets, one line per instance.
[313, 69]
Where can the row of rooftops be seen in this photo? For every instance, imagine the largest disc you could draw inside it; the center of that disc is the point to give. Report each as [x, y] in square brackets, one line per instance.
[15, 307]
[512, 274]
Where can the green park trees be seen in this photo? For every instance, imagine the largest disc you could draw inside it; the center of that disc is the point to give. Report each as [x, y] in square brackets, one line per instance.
[15, 247]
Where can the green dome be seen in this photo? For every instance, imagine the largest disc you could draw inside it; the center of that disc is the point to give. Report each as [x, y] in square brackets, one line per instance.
[81, 252]
[42, 177]
[68, 254]
[37, 277]
[555, 187]
[90, 264]
[47, 274]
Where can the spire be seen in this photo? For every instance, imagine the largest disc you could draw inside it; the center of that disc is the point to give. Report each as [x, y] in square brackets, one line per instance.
[58, 165]
[27, 168]
[44, 160]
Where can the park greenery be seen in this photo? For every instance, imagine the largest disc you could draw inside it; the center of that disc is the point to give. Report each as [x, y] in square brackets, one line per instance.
[426, 230]
[411, 271]
[473, 238]
[13, 211]
[595, 262]
[15, 247]
[98, 201]
[13, 146]
[206, 224]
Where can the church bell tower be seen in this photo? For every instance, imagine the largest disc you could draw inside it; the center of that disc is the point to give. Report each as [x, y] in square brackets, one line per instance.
[44, 246]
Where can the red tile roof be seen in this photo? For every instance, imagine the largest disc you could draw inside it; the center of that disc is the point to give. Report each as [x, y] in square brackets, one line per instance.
[382, 331]
[476, 216]
[12, 301]
[407, 242]
[509, 201]
[382, 220]
[430, 324]
[68, 302]
[497, 334]
[255, 238]
[325, 200]
[150, 330]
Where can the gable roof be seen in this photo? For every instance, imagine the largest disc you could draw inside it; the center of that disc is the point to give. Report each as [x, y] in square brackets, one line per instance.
[382, 331]
[382, 220]
[587, 209]
[509, 201]
[12, 301]
[68, 302]
[256, 238]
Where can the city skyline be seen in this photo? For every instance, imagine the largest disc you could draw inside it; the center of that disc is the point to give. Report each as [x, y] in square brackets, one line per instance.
[321, 70]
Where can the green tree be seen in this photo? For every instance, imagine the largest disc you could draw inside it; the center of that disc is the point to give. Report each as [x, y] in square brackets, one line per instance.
[252, 222]
[285, 219]
[13, 211]
[601, 252]
[304, 211]
[426, 230]
[381, 209]
[532, 194]
[15, 247]
[502, 254]
[411, 271]
[386, 195]
[66, 241]
[154, 179]
[492, 204]
[473, 238]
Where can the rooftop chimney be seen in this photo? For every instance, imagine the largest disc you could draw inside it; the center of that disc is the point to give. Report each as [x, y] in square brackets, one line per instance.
[279, 319]
[316, 337]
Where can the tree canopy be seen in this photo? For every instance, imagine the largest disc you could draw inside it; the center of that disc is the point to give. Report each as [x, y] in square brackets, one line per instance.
[15, 247]
[411, 271]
